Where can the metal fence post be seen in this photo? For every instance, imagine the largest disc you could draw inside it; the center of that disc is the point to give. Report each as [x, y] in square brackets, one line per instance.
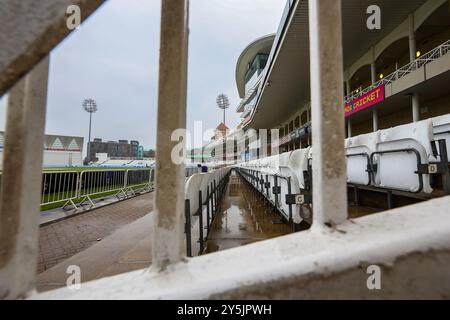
[216, 195]
[207, 210]
[213, 204]
[443, 153]
[187, 214]
[289, 193]
[200, 217]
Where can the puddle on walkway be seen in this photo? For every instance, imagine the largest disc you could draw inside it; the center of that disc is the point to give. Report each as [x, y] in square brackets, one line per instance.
[244, 218]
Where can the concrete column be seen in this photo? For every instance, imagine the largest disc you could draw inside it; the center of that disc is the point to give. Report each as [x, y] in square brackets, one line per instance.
[235, 150]
[262, 143]
[21, 182]
[349, 128]
[168, 237]
[347, 83]
[375, 119]
[373, 72]
[412, 56]
[415, 107]
[224, 150]
[275, 142]
[258, 145]
[412, 38]
[327, 105]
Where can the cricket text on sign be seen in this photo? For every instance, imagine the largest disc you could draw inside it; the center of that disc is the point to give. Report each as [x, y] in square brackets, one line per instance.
[366, 100]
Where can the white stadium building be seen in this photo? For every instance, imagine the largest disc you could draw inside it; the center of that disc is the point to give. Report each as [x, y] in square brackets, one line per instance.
[59, 151]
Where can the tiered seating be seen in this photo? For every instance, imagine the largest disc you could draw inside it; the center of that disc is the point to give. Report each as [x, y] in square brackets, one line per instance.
[280, 178]
[441, 130]
[200, 182]
[402, 159]
[115, 163]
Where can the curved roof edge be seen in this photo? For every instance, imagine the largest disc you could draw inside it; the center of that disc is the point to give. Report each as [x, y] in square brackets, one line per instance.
[247, 56]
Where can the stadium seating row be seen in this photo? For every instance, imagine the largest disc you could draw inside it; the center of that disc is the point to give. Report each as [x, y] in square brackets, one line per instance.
[402, 158]
[201, 194]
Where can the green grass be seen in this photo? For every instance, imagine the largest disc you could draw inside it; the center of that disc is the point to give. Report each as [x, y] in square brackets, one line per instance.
[79, 169]
[61, 195]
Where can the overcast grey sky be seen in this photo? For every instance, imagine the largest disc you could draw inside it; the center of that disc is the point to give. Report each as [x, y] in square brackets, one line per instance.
[113, 59]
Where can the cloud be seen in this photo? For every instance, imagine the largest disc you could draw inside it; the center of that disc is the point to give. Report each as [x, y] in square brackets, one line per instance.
[113, 59]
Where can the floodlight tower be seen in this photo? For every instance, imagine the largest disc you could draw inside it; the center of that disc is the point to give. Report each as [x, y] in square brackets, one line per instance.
[223, 103]
[89, 105]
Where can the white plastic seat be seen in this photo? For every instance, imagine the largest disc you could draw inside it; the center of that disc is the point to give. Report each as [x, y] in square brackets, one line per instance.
[285, 174]
[191, 190]
[358, 151]
[298, 163]
[441, 130]
[397, 170]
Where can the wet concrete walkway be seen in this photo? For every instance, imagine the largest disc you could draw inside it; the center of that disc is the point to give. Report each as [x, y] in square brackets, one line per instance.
[243, 218]
[63, 239]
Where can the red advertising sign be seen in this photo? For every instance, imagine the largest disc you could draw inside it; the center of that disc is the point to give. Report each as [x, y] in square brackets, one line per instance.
[366, 100]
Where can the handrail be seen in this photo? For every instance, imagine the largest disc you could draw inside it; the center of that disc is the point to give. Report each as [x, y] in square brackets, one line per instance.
[430, 56]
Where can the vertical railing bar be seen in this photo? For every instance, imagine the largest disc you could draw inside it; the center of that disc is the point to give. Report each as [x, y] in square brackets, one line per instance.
[21, 182]
[63, 186]
[327, 106]
[200, 217]
[169, 198]
[187, 210]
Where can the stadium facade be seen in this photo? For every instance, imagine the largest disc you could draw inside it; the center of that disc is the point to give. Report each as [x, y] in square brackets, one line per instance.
[59, 151]
[98, 149]
[392, 76]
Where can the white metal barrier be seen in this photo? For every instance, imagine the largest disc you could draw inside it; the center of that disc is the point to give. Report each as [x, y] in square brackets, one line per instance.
[58, 186]
[78, 187]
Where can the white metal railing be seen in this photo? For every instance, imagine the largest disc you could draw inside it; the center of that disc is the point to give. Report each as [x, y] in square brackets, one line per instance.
[77, 187]
[430, 56]
[249, 93]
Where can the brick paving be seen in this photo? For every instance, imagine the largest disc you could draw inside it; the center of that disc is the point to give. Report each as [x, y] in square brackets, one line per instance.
[63, 239]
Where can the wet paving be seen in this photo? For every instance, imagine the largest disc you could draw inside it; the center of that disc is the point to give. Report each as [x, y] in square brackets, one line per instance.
[355, 212]
[244, 218]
